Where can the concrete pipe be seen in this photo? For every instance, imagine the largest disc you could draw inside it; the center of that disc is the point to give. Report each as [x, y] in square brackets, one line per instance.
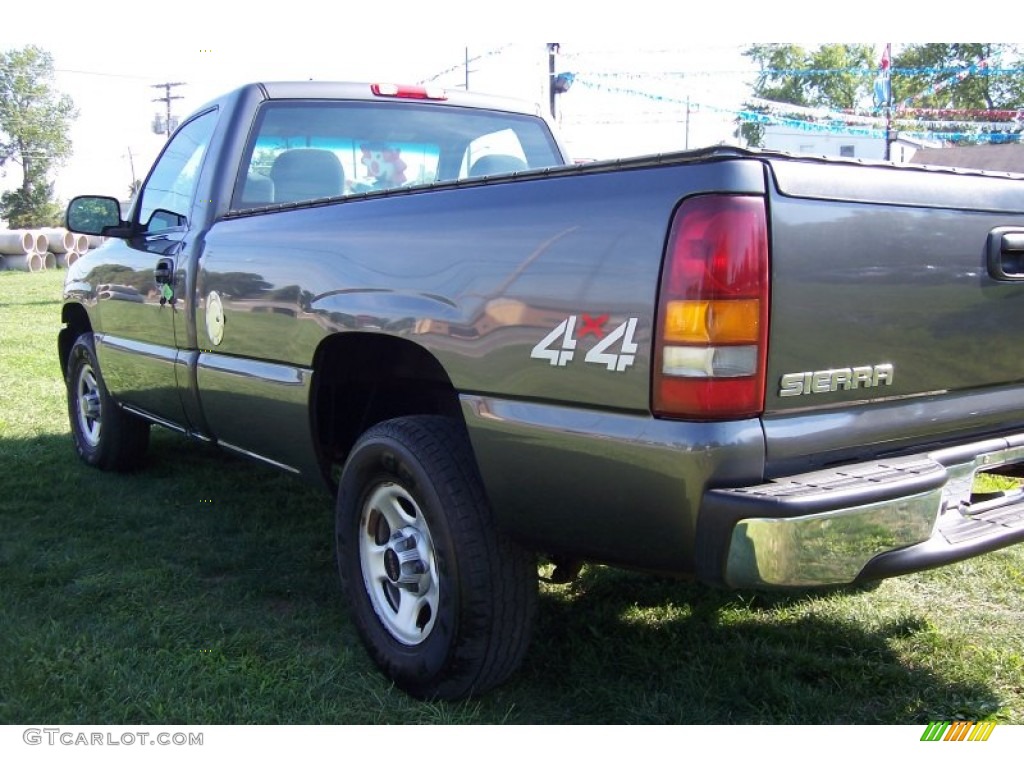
[65, 260]
[49, 260]
[81, 243]
[17, 242]
[26, 262]
[95, 241]
[42, 242]
[61, 241]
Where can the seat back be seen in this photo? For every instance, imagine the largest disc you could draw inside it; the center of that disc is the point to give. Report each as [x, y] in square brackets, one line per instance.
[258, 190]
[489, 165]
[306, 174]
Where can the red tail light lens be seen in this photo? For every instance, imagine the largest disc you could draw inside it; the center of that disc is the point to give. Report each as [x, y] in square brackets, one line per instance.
[712, 334]
[408, 91]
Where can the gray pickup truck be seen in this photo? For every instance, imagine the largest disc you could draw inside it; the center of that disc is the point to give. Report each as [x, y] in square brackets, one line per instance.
[755, 369]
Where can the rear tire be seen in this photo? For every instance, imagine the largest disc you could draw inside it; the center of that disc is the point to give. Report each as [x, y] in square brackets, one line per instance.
[443, 602]
[103, 434]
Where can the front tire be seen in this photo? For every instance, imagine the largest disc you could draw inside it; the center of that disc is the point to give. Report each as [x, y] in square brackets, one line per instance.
[443, 602]
[103, 434]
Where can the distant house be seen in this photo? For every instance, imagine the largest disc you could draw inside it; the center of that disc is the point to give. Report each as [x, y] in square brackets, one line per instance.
[835, 143]
[984, 157]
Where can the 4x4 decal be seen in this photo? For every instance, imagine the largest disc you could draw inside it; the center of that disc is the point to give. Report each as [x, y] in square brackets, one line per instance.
[559, 346]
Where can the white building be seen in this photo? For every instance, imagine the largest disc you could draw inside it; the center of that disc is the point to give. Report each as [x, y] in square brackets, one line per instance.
[837, 144]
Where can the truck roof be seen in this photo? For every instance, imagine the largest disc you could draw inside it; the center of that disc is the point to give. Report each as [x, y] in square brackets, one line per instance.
[321, 89]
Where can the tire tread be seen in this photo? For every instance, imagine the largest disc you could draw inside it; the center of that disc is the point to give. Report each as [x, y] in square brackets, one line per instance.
[499, 577]
[124, 438]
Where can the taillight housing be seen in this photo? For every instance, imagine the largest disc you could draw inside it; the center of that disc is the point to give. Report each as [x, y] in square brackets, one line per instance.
[430, 93]
[712, 334]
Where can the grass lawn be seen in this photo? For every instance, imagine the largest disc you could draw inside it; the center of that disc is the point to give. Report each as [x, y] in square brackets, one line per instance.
[203, 590]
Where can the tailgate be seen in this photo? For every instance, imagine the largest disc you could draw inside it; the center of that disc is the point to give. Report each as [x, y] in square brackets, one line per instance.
[897, 308]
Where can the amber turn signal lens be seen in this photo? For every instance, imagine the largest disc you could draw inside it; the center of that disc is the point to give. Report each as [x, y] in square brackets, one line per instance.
[721, 321]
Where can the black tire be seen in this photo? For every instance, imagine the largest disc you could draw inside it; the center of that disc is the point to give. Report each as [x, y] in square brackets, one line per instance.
[103, 434]
[443, 602]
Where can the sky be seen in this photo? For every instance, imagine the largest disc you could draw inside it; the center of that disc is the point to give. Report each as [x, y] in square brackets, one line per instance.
[629, 97]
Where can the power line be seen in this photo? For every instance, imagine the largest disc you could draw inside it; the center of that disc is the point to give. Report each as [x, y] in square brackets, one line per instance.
[463, 65]
[861, 71]
[104, 74]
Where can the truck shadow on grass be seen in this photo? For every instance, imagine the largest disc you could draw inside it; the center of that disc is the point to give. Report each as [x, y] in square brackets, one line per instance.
[620, 647]
[203, 589]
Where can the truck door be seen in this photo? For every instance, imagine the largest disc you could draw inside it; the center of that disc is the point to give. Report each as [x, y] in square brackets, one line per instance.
[141, 300]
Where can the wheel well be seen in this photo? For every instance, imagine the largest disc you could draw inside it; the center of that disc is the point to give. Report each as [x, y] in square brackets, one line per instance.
[362, 379]
[76, 322]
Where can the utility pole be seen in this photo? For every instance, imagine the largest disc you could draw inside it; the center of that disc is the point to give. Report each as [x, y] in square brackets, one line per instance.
[887, 92]
[557, 82]
[168, 126]
[552, 51]
[135, 181]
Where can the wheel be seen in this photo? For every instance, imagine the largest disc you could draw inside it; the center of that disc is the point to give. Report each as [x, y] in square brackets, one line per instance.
[443, 602]
[104, 435]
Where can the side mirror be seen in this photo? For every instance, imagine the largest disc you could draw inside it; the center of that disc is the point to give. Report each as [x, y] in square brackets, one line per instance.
[163, 219]
[96, 215]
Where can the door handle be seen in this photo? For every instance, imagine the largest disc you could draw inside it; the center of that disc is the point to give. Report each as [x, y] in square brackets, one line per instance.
[1006, 253]
[164, 272]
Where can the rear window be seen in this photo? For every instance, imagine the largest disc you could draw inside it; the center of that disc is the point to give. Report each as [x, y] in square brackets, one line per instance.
[306, 150]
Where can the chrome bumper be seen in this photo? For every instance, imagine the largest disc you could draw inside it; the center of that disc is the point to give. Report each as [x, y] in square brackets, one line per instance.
[860, 522]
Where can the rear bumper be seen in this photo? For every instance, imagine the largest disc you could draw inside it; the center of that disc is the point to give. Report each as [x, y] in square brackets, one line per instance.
[859, 522]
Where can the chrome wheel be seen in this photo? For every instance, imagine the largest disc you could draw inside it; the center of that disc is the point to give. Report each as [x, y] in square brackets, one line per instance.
[398, 564]
[90, 411]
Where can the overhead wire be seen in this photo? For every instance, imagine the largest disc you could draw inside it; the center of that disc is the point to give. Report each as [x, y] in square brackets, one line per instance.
[590, 78]
[1002, 124]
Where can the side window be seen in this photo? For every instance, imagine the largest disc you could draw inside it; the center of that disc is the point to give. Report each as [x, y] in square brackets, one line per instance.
[168, 194]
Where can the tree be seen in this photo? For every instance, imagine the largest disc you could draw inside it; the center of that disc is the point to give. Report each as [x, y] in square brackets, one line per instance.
[780, 77]
[835, 76]
[34, 125]
[950, 75]
[960, 81]
[31, 206]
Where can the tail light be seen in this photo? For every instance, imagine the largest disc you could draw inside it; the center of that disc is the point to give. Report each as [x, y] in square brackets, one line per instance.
[712, 333]
[408, 91]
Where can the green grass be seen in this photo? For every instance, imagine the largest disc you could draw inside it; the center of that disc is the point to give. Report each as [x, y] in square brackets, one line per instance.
[203, 590]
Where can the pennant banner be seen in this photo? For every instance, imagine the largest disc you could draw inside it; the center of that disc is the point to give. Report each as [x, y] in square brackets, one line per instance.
[816, 120]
